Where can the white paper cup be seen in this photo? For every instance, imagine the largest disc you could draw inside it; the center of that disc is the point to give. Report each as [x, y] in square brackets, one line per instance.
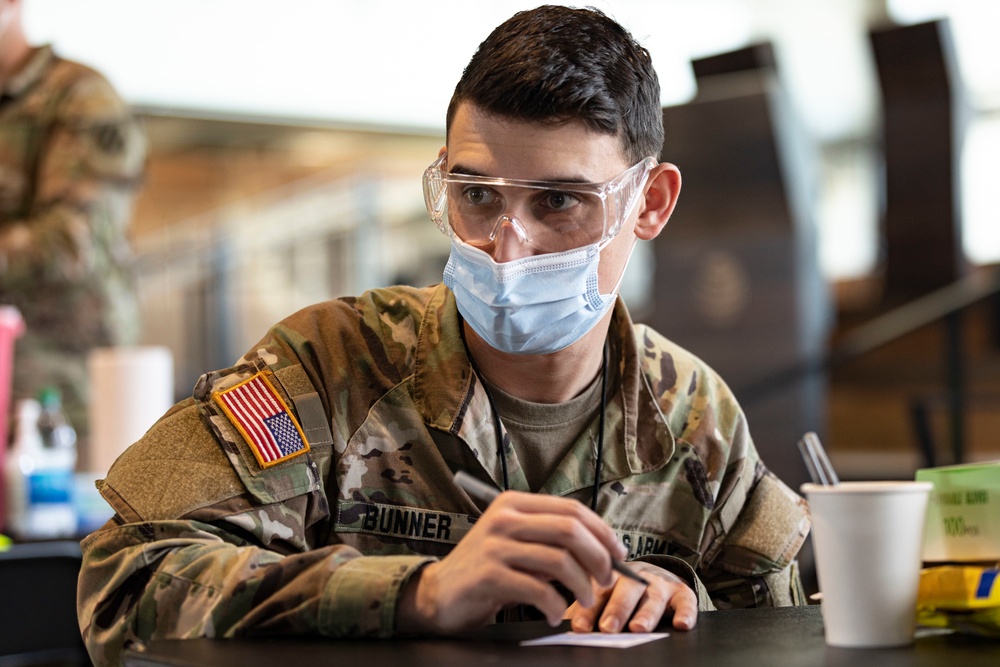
[867, 538]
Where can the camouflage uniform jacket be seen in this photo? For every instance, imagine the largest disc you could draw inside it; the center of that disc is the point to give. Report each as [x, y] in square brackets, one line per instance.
[207, 541]
[71, 155]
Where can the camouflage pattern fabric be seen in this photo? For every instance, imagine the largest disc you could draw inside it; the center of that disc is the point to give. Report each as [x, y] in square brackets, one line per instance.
[208, 543]
[71, 156]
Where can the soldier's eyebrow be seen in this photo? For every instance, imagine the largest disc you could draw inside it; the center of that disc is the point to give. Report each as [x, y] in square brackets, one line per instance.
[463, 170]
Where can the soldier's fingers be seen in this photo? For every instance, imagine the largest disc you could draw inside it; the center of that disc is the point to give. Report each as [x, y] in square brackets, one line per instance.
[624, 598]
[448, 600]
[552, 564]
[584, 618]
[523, 588]
[685, 605]
[661, 595]
[564, 531]
[531, 503]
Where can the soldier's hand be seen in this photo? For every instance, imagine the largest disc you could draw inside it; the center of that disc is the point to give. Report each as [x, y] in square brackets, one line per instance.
[521, 544]
[629, 604]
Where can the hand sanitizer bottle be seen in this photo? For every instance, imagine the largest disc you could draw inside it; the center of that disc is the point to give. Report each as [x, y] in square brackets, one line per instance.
[40, 471]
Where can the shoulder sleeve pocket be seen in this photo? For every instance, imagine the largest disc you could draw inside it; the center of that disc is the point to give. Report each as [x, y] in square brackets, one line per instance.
[256, 423]
[177, 467]
[769, 531]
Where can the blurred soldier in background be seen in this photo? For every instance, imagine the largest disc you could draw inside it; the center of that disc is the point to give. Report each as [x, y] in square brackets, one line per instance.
[71, 156]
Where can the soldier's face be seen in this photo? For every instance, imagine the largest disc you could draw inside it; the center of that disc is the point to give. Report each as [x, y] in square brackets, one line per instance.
[486, 145]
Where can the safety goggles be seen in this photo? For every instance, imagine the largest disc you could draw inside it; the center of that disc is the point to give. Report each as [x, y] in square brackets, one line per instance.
[549, 216]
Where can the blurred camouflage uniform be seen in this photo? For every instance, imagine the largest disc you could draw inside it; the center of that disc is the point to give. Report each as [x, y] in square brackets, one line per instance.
[208, 542]
[71, 155]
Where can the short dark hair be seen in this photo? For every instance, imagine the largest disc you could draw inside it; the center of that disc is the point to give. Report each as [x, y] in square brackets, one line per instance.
[557, 64]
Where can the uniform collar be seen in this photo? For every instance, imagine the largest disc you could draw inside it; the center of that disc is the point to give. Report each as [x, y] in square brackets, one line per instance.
[450, 398]
[31, 73]
[650, 447]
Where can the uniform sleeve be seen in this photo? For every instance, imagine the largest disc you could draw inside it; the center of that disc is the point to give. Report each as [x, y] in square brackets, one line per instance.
[187, 579]
[91, 158]
[752, 563]
[740, 549]
[753, 537]
[192, 552]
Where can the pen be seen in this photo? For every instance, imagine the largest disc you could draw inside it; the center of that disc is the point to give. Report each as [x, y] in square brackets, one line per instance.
[486, 493]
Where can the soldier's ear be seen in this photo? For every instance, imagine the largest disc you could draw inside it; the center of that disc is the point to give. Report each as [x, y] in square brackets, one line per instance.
[659, 198]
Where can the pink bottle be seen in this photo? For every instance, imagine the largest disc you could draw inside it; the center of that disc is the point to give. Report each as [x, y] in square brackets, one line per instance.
[11, 326]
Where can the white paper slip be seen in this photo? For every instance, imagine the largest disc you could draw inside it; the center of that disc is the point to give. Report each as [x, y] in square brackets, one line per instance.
[597, 639]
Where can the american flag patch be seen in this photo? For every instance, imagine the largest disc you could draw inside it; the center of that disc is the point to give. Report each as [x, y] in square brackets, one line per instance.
[257, 411]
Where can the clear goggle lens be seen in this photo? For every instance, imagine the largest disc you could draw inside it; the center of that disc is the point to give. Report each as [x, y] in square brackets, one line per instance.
[549, 216]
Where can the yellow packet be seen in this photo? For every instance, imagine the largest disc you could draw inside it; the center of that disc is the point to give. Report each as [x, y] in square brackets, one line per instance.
[979, 622]
[959, 587]
[965, 598]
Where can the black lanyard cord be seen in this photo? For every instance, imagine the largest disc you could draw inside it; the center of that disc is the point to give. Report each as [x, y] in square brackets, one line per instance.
[498, 428]
[599, 456]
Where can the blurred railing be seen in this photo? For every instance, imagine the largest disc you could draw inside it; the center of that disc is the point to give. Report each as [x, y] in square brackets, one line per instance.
[211, 286]
[945, 305]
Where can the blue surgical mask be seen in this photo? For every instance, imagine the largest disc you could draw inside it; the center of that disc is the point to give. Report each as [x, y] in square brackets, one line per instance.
[534, 305]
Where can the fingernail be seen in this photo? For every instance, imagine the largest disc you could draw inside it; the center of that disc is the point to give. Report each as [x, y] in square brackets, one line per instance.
[610, 624]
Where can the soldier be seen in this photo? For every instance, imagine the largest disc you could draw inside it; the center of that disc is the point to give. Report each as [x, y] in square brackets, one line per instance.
[70, 157]
[309, 488]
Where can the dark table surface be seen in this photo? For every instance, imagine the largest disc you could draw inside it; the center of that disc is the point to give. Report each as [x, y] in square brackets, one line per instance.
[741, 638]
